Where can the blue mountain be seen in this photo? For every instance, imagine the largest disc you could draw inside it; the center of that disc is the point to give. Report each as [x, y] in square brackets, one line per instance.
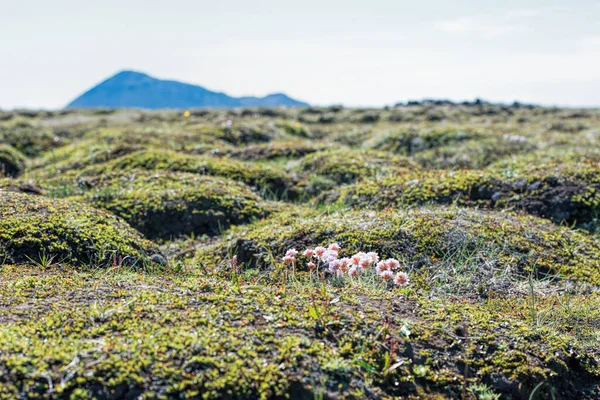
[131, 89]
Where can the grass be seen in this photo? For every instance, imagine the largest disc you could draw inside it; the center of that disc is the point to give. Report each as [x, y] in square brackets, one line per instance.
[140, 253]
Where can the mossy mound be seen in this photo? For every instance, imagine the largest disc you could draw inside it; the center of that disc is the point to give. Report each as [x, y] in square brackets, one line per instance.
[328, 170]
[488, 249]
[28, 138]
[563, 193]
[267, 180]
[411, 141]
[272, 150]
[21, 186]
[347, 166]
[80, 155]
[472, 154]
[38, 229]
[163, 204]
[244, 134]
[12, 162]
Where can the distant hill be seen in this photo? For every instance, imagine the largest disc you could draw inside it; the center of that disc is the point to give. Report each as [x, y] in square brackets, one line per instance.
[131, 89]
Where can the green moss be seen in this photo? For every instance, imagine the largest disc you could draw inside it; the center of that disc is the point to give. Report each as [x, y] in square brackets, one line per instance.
[411, 141]
[82, 154]
[562, 192]
[12, 163]
[499, 304]
[243, 134]
[28, 138]
[266, 179]
[428, 241]
[84, 335]
[472, 154]
[35, 229]
[165, 204]
[346, 166]
[272, 150]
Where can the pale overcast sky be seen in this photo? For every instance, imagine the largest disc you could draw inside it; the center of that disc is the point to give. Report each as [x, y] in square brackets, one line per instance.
[355, 52]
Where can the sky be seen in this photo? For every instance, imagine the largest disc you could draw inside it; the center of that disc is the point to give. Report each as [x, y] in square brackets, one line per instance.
[351, 52]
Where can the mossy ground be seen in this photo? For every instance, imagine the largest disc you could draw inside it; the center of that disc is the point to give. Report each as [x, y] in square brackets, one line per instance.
[12, 163]
[47, 231]
[117, 244]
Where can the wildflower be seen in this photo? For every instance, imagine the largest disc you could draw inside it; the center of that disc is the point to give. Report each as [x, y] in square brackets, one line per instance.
[329, 256]
[401, 279]
[374, 257]
[353, 272]
[381, 267]
[334, 247]
[320, 251]
[365, 263]
[291, 252]
[311, 265]
[308, 253]
[288, 259]
[355, 259]
[344, 263]
[387, 275]
[334, 265]
[393, 264]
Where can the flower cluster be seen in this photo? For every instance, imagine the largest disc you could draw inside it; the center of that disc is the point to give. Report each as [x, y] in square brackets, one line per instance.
[352, 266]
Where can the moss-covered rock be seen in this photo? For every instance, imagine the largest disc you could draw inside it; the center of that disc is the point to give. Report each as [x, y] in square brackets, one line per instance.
[82, 154]
[484, 250]
[29, 139]
[12, 162]
[474, 154]
[347, 166]
[38, 229]
[272, 150]
[412, 141]
[562, 192]
[163, 204]
[267, 180]
[243, 134]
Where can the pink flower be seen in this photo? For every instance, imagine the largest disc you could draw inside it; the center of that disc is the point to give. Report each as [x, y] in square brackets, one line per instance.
[355, 259]
[344, 263]
[334, 247]
[291, 252]
[319, 251]
[334, 265]
[353, 272]
[387, 275]
[393, 263]
[288, 259]
[308, 253]
[329, 256]
[381, 267]
[401, 279]
[311, 265]
[365, 263]
[374, 257]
